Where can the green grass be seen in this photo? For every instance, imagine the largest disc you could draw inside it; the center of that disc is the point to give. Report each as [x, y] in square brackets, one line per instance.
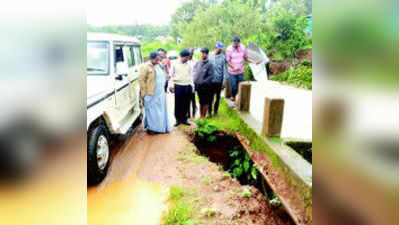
[275, 139]
[300, 76]
[181, 208]
[209, 211]
[307, 47]
[246, 193]
[176, 193]
[189, 155]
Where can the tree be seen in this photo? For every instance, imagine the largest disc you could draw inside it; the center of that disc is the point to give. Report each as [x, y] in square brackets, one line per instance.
[184, 15]
[297, 7]
[220, 23]
[287, 24]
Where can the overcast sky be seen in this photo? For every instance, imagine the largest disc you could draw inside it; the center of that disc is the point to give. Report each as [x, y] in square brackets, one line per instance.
[156, 12]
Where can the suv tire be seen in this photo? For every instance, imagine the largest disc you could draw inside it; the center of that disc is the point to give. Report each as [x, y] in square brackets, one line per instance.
[98, 154]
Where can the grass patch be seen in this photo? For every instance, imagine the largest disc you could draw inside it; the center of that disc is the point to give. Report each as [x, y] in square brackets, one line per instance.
[182, 210]
[226, 175]
[189, 154]
[300, 76]
[180, 214]
[209, 211]
[176, 193]
[275, 139]
[207, 180]
[246, 193]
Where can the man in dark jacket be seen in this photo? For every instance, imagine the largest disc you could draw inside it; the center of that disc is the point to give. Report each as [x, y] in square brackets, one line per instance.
[219, 62]
[203, 77]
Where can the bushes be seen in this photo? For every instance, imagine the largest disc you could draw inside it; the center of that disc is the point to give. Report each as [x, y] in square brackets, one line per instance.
[287, 32]
[206, 130]
[300, 76]
[242, 167]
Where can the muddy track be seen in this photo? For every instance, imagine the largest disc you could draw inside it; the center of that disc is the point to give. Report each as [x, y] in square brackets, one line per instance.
[144, 166]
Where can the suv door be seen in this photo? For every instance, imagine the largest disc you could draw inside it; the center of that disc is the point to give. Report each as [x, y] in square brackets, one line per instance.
[137, 54]
[135, 86]
[133, 72]
[121, 85]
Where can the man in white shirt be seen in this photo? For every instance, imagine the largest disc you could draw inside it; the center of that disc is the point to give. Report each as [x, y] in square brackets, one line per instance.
[181, 85]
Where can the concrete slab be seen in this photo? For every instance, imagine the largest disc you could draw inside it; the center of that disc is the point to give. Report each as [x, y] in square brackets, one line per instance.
[297, 118]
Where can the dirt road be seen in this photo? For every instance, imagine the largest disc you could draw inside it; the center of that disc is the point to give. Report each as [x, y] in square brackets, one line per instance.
[135, 190]
[125, 196]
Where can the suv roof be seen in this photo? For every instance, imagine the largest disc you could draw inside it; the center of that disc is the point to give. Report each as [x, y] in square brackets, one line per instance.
[111, 37]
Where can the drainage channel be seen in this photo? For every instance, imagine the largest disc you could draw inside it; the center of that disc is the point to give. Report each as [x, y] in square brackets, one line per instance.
[302, 148]
[226, 150]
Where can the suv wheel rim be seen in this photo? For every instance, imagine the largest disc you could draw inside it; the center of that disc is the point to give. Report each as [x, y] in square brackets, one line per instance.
[102, 152]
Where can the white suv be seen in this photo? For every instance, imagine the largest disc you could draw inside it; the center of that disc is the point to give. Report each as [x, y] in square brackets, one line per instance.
[113, 95]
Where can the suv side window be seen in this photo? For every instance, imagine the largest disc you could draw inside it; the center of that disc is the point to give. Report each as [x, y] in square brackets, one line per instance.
[131, 48]
[137, 54]
[128, 55]
[118, 54]
[140, 55]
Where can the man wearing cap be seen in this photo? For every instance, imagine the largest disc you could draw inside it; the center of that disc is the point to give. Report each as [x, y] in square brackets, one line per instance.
[218, 60]
[203, 77]
[236, 55]
[152, 81]
[181, 82]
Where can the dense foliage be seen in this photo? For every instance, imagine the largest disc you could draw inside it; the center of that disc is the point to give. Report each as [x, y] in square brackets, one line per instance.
[220, 23]
[147, 48]
[280, 28]
[206, 130]
[286, 34]
[241, 166]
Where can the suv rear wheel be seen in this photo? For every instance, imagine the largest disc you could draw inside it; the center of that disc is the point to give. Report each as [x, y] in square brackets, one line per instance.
[97, 154]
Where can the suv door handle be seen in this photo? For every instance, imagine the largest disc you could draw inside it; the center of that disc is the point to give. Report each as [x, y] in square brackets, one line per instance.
[119, 77]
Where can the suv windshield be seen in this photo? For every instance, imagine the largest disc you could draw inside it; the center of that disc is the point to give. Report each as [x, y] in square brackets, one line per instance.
[97, 58]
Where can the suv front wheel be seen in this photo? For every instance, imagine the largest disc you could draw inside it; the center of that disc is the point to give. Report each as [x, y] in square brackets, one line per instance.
[97, 154]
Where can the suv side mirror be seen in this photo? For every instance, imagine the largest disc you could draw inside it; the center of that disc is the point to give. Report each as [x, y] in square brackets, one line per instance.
[121, 68]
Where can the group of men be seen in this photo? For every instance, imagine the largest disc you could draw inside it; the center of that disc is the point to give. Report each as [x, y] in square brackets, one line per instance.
[207, 77]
